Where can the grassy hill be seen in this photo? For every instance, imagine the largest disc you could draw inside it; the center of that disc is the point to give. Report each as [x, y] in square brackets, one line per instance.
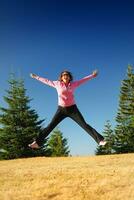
[71, 178]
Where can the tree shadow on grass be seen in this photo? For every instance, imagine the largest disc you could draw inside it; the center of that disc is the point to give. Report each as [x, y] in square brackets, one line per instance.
[51, 196]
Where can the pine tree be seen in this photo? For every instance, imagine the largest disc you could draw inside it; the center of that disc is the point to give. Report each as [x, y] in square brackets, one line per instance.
[109, 137]
[124, 140]
[19, 123]
[57, 145]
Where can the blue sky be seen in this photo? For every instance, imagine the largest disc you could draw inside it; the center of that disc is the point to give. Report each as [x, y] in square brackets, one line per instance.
[46, 37]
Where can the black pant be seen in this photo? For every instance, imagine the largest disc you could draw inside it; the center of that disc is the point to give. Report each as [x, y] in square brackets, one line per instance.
[73, 113]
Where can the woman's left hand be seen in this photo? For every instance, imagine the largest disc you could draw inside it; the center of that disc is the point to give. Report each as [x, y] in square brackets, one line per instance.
[95, 72]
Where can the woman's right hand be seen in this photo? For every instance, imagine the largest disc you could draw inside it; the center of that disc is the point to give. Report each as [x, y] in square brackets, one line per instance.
[33, 75]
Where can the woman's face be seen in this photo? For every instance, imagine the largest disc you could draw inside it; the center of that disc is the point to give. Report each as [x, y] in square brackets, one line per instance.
[65, 77]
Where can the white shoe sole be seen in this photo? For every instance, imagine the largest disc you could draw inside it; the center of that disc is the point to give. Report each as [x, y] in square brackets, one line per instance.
[102, 143]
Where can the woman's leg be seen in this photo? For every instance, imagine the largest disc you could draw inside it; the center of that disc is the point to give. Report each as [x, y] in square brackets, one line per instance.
[58, 117]
[77, 117]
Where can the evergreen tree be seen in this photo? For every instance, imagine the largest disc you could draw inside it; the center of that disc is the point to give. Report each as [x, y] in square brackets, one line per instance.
[57, 145]
[109, 137]
[124, 140]
[19, 123]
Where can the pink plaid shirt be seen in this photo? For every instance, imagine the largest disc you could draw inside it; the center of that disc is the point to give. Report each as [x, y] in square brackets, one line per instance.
[65, 93]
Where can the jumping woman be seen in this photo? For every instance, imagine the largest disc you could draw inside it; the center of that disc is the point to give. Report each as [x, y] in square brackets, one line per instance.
[67, 107]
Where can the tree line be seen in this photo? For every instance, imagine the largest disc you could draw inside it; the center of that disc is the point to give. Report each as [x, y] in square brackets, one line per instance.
[121, 138]
[19, 124]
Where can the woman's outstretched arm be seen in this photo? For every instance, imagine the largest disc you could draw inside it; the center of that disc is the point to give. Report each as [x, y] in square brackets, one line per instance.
[43, 80]
[83, 80]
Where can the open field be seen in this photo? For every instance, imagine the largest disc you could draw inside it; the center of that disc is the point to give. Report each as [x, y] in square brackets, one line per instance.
[71, 178]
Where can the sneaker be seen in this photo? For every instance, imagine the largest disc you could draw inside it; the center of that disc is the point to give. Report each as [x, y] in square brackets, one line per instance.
[34, 145]
[102, 143]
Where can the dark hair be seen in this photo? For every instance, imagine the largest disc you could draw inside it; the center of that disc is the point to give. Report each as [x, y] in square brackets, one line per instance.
[69, 73]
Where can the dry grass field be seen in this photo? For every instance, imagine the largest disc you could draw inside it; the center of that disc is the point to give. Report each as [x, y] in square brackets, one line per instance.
[71, 178]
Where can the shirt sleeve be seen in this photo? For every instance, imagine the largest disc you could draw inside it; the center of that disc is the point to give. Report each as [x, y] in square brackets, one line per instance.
[46, 81]
[83, 80]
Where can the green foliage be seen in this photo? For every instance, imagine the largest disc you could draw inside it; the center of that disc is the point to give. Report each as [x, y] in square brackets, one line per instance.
[122, 141]
[57, 145]
[109, 137]
[18, 123]
[124, 137]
